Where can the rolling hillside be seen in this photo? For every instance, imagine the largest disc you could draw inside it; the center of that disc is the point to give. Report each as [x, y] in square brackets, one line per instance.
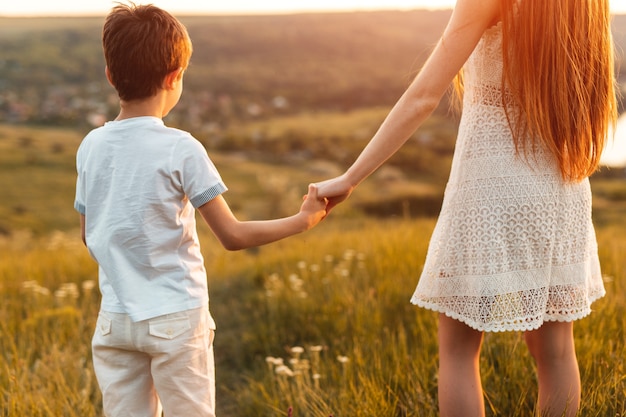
[51, 69]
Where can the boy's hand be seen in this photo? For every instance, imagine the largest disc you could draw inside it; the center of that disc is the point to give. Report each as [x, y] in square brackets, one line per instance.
[313, 206]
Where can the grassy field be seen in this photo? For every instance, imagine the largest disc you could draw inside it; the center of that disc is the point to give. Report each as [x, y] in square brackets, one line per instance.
[319, 324]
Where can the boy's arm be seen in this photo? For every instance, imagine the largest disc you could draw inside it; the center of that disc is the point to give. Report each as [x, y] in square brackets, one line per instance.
[235, 235]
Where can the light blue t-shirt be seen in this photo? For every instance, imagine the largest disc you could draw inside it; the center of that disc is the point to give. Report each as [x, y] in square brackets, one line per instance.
[138, 184]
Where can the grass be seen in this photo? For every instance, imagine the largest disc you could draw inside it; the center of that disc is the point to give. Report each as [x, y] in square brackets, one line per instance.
[357, 306]
[339, 292]
[37, 178]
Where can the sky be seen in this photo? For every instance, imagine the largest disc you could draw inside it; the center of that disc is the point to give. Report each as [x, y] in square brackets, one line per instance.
[615, 152]
[100, 7]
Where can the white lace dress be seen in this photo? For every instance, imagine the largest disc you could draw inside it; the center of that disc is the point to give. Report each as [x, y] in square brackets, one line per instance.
[514, 245]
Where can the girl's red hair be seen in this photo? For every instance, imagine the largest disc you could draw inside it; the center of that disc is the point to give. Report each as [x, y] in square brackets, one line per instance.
[559, 67]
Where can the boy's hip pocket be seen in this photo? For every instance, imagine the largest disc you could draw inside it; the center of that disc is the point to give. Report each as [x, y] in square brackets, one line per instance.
[168, 327]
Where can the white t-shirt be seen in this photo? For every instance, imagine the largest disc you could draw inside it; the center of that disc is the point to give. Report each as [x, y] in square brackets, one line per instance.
[138, 184]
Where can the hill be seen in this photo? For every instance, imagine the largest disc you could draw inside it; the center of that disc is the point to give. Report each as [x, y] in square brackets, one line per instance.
[52, 68]
[285, 91]
[244, 67]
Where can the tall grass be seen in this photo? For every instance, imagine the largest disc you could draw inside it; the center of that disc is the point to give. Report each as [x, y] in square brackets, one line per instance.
[357, 283]
[316, 325]
[48, 306]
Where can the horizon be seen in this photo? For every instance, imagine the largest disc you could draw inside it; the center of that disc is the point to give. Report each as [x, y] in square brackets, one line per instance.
[68, 8]
[79, 8]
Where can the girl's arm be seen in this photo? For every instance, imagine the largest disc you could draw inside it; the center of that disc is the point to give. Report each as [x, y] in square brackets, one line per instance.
[467, 24]
[235, 235]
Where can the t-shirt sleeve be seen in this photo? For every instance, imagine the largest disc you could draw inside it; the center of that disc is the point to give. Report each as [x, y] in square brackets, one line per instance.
[199, 178]
[79, 199]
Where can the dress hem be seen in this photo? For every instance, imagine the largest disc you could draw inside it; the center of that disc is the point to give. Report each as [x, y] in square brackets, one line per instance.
[534, 324]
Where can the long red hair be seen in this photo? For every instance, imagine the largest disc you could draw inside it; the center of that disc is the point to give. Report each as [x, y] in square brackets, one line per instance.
[559, 66]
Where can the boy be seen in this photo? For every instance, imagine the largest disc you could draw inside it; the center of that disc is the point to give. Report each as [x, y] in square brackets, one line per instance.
[138, 184]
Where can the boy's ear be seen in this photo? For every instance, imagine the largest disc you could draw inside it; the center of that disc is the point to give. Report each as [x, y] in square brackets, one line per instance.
[172, 77]
[108, 75]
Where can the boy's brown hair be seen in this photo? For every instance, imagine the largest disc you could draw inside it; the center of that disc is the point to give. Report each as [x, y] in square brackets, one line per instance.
[142, 44]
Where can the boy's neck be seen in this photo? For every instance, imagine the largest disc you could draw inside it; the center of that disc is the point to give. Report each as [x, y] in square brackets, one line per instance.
[152, 106]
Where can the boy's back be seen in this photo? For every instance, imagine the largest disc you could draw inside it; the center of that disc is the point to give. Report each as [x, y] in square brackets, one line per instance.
[134, 179]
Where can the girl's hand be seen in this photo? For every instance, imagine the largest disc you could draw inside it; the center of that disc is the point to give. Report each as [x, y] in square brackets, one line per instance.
[334, 190]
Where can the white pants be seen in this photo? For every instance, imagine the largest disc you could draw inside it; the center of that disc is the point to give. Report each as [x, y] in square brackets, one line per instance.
[161, 364]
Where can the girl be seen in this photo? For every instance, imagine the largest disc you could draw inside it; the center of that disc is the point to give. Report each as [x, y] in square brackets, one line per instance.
[514, 248]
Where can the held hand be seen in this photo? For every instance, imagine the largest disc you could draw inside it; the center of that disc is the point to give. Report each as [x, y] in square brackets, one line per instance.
[335, 190]
[314, 206]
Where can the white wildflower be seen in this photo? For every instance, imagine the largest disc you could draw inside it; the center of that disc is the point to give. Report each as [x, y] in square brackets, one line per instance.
[70, 289]
[296, 282]
[39, 290]
[30, 285]
[88, 285]
[273, 277]
[296, 351]
[283, 370]
[343, 359]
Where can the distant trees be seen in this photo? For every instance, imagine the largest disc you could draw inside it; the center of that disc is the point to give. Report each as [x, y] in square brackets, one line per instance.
[244, 69]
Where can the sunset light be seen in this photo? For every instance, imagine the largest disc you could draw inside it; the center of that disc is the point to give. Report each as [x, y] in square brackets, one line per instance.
[79, 7]
[361, 227]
